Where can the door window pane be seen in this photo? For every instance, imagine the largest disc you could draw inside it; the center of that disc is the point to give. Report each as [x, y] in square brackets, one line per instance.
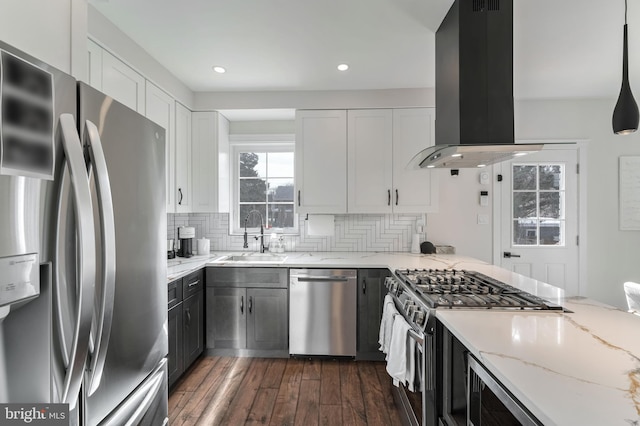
[524, 204]
[551, 176]
[550, 205]
[525, 232]
[524, 177]
[551, 232]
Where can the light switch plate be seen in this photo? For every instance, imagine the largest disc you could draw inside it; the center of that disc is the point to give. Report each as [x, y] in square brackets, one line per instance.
[483, 219]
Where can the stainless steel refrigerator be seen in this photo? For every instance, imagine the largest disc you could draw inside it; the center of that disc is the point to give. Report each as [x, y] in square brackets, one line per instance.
[83, 296]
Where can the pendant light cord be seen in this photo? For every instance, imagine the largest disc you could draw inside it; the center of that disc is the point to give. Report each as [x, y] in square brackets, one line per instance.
[625, 12]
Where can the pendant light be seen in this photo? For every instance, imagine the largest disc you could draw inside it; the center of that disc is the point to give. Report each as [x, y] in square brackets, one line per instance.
[625, 114]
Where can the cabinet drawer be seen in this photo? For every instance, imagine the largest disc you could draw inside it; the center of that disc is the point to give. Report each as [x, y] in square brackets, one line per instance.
[247, 277]
[174, 295]
[192, 284]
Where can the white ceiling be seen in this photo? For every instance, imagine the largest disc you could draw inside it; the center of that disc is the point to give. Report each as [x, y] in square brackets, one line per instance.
[562, 48]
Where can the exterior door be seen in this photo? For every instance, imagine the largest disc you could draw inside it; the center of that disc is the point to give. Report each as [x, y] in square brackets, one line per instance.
[539, 217]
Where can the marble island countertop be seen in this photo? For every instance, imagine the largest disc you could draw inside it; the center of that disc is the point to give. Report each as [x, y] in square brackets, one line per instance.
[568, 368]
[579, 368]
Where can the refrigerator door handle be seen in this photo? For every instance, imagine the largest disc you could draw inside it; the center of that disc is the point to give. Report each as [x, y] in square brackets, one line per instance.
[101, 329]
[75, 356]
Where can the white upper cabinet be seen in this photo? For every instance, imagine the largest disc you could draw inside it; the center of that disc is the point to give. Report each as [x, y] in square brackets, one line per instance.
[377, 145]
[370, 174]
[210, 162]
[321, 161]
[122, 83]
[94, 65]
[413, 131]
[183, 159]
[161, 108]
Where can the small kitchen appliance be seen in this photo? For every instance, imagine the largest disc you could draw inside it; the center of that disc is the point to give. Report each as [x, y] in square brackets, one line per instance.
[186, 234]
[171, 253]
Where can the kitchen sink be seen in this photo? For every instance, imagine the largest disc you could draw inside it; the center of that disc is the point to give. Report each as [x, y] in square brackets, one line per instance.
[253, 258]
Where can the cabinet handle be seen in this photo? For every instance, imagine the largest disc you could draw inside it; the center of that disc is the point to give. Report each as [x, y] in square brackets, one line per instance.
[397, 197]
[250, 304]
[388, 197]
[364, 286]
[298, 198]
[242, 304]
[188, 317]
[196, 282]
[180, 192]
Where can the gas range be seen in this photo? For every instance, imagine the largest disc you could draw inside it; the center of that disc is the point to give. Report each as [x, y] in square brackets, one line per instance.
[453, 288]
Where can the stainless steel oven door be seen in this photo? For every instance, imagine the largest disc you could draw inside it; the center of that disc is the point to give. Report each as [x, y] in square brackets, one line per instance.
[490, 403]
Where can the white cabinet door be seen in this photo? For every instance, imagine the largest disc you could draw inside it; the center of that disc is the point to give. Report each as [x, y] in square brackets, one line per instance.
[94, 65]
[161, 108]
[122, 83]
[183, 159]
[204, 162]
[413, 131]
[321, 161]
[369, 166]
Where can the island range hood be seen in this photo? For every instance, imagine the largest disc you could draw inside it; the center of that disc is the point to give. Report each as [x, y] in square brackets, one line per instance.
[474, 88]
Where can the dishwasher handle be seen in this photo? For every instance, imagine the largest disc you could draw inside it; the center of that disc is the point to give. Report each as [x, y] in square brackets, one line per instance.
[321, 279]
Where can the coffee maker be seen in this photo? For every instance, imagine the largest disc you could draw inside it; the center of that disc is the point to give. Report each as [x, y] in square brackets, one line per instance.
[186, 234]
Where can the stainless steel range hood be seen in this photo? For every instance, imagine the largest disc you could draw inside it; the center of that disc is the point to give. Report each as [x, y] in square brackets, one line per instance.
[474, 88]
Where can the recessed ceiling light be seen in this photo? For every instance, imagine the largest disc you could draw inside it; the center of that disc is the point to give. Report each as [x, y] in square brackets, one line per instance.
[219, 70]
[343, 67]
[520, 154]
[430, 166]
[482, 165]
[456, 155]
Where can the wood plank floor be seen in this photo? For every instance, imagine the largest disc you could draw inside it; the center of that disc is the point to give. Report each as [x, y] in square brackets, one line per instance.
[260, 391]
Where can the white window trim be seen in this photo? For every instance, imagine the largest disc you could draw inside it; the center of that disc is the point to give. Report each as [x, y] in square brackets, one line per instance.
[270, 142]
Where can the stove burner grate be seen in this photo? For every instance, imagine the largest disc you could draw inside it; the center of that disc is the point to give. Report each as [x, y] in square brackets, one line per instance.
[451, 288]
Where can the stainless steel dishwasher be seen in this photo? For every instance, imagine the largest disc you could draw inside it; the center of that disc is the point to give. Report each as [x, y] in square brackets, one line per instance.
[322, 312]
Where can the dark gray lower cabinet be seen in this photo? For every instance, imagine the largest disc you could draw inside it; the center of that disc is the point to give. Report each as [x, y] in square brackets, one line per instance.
[226, 318]
[186, 323]
[247, 311]
[193, 327]
[371, 292]
[267, 324]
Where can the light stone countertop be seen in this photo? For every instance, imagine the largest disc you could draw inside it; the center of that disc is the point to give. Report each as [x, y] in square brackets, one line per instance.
[579, 368]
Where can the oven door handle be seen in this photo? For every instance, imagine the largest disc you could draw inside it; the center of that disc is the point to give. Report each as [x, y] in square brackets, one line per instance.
[427, 359]
[417, 337]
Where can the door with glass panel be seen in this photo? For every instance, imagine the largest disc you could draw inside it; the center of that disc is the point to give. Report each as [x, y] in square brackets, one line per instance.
[539, 217]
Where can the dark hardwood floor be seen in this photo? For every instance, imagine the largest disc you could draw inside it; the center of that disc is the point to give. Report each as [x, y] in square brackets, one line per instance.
[250, 391]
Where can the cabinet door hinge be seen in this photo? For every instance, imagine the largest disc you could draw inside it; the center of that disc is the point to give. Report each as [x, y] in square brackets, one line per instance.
[578, 168]
[577, 240]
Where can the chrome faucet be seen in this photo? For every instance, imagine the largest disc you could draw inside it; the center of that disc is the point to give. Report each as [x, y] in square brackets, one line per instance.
[246, 244]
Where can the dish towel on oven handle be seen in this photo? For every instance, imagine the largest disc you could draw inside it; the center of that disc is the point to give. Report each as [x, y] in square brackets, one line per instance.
[389, 311]
[397, 358]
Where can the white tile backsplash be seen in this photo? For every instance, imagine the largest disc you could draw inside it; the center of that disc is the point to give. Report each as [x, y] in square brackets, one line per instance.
[357, 232]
